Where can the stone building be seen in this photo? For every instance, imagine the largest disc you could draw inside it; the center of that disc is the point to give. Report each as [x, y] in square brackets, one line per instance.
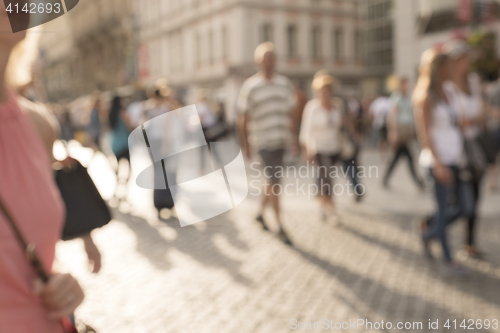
[91, 47]
[201, 43]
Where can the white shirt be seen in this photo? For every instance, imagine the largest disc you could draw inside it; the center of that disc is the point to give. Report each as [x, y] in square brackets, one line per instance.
[445, 136]
[467, 106]
[380, 108]
[321, 128]
[268, 104]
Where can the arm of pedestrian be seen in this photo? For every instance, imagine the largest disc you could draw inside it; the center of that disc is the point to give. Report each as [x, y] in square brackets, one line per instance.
[305, 129]
[93, 253]
[242, 129]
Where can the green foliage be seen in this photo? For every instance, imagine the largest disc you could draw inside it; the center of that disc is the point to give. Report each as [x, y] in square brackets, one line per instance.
[485, 60]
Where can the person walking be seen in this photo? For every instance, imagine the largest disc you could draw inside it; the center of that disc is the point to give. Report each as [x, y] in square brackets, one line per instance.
[401, 132]
[30, 200]
[378, 111]
[320, 137]
[353, 119]
[121, 126]
[494, 127]
[439, 133]
[464, 89]
[94, 128]
[265, 106]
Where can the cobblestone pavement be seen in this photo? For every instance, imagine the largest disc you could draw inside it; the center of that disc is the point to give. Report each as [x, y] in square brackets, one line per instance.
[228, 275]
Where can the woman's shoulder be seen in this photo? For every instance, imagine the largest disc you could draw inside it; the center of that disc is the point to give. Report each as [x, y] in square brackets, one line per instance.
[312, 104]
[44, 122]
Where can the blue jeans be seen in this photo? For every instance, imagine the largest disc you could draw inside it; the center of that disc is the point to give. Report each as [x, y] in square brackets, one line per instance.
[453, 201]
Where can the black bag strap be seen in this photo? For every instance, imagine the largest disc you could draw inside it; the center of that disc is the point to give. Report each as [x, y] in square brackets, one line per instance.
[28, 248]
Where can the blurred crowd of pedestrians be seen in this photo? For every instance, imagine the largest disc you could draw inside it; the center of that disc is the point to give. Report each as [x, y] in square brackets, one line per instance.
[454, 115]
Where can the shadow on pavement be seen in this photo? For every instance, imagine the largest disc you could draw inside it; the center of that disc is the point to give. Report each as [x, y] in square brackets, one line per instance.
[198, 244]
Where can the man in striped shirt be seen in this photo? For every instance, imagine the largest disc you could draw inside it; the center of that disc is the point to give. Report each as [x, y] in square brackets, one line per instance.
[265, 104]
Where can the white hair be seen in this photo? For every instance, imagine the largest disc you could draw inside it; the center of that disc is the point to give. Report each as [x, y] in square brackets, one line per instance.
[261, 51]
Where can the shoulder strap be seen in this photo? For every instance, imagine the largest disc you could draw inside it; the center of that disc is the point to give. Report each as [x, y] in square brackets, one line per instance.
[28, 248]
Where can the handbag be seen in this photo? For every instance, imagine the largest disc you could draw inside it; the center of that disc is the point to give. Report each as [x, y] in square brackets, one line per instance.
[30, 251]
[86, 210]
[488, 143]
[475, 158]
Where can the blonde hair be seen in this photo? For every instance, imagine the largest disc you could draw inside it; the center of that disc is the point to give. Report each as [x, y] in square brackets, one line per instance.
[19, 71]
[321, 80]
[321, 72]
[427, 82]
[392, 83]
[261, 51]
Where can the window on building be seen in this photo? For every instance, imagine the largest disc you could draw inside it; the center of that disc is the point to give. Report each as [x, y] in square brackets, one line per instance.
[225, 44]
[338, 43]
[211, 47]
[267, 32]
[198, 51]
[358, 45]
[292, 41]
[316, 42]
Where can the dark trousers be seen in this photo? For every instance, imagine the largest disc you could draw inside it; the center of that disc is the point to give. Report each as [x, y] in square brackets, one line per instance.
[471, 221]
[402, 150]
[351, 167]
[453, 201]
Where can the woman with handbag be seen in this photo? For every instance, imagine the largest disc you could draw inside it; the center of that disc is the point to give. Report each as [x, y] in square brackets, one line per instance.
[33, 297]
[401, 132]
[464, 90]
[321, 137]
[439, 133]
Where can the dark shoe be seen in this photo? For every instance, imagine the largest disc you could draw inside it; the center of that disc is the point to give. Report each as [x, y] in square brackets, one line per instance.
[260, 219]
[284, 237]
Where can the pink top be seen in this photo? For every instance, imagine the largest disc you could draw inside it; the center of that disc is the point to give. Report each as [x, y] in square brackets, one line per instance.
[29, 192]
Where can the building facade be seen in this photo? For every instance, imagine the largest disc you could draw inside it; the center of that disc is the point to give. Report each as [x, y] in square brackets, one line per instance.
[210, 44]
[422, 24]
[90, 48]
[379, 44]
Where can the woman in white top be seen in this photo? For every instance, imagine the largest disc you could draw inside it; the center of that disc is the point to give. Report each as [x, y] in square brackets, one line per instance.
[440, 135]
[464, 91]
[320, 136]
